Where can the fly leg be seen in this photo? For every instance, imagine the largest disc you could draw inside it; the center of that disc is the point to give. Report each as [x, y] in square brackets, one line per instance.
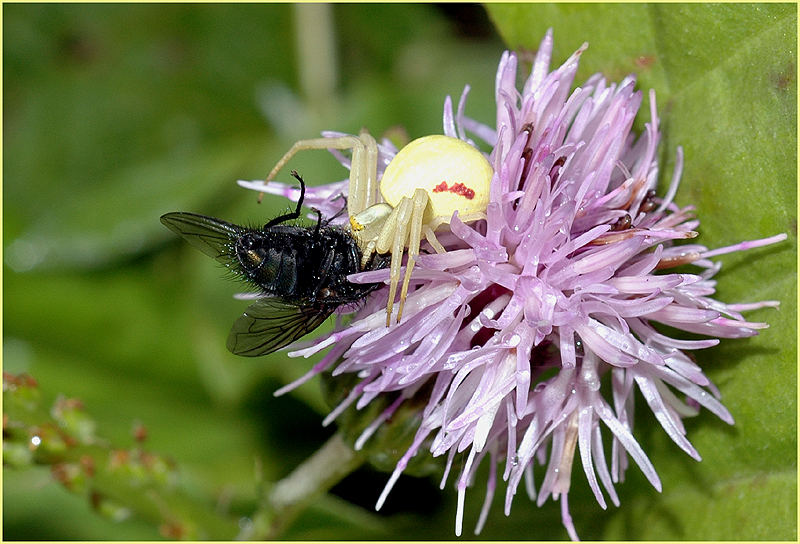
[296, 213]
[319, 222]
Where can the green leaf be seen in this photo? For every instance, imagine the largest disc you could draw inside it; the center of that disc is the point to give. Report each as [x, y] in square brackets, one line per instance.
[725, 79]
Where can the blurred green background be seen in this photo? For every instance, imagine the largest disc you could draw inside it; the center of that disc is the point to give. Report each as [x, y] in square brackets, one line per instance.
[116, 114]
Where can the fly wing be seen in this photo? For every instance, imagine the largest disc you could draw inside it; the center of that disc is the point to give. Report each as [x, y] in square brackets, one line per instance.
[213, 237]
[271, 323]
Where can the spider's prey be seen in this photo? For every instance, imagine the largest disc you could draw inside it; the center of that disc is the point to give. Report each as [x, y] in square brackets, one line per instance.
[300, 271]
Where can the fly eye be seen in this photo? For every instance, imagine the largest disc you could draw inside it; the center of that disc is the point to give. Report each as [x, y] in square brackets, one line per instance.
[246, 242]
[250, 251]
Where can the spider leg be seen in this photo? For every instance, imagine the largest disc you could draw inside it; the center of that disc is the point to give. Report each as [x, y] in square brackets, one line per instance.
[431, 226]
[432, 240]
[419, 203]
[470, 217]
[371, 170]
[363, 174]
[393, 238]
[366, 254]
[341, 142]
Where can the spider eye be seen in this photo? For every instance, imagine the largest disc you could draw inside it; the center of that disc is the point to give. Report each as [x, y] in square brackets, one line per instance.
[455, 175]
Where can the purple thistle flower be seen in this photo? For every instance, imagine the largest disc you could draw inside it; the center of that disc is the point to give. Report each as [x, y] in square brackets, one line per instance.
[516, 326]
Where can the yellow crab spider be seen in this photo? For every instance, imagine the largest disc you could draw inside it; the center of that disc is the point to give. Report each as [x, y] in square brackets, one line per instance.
[424, 184]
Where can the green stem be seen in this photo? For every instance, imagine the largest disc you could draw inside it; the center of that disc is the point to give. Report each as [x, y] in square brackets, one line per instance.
[290, 496]
[316, 54]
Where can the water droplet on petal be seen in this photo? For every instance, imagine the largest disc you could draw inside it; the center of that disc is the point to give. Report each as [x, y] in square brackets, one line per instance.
[591, 380]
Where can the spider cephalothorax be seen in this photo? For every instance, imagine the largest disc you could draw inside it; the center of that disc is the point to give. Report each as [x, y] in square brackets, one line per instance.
[428, 181]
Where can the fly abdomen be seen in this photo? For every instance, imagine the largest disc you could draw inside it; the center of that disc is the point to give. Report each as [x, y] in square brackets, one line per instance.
[269, 262]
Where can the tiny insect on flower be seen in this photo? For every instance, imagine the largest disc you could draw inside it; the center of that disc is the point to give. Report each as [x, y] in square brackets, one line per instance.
[512, 325]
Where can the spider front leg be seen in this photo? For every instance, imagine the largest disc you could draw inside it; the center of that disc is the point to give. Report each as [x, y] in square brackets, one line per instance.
[363, 166]
[392, 239]
[394, 236]
[418, 205]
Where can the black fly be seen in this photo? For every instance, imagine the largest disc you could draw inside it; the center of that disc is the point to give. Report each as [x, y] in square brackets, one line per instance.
[301, 273]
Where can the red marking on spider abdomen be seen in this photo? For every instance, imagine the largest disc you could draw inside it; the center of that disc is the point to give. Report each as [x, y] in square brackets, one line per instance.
[456, 188]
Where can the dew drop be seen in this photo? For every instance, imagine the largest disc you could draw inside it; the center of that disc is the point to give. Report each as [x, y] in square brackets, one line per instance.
[36, 441]
[591, 380]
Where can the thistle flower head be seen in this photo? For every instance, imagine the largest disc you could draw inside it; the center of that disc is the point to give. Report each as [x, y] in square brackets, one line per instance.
[563, 287]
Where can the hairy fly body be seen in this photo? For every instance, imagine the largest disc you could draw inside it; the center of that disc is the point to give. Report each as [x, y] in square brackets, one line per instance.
[301, 271]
